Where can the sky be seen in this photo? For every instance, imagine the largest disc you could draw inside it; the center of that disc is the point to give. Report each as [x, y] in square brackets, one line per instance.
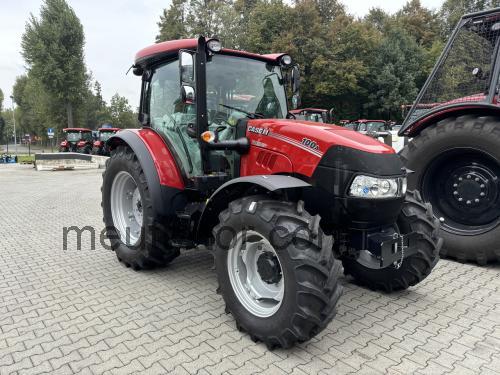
[114, 31]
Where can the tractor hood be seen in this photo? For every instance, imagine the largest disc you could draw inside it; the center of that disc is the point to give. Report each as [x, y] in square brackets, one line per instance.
[307, 144]
[314, 136]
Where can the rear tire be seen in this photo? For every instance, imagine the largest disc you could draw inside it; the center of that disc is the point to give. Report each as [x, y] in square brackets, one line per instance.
[147, 248]
[415, 216]
[304, 267]
[443, 156]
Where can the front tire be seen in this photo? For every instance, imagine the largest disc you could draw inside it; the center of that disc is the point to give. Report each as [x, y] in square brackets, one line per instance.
[416, 216]
[137, 234]
[457, 170]
[287, 269]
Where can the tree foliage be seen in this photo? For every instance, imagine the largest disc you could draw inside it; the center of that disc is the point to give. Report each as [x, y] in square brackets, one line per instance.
[52, 46]
[361, 67]
[57, 90]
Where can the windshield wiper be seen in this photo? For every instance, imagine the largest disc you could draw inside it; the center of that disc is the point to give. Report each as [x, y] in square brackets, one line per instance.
[249, 114]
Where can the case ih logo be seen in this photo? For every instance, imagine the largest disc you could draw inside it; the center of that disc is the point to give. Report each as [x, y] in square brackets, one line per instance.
[309, 143]
[262, 131]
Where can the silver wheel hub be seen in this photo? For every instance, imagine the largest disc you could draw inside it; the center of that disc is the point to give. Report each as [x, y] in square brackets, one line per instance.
[255, 274]
[126, 208]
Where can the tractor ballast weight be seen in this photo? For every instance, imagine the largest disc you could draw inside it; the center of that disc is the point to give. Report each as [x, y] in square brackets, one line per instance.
[218, 162]
[455, 151]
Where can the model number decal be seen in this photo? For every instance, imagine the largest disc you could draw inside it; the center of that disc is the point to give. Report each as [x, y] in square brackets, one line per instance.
[310, 143]
[255, 130]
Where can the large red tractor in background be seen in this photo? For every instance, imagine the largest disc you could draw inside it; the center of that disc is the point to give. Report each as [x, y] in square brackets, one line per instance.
[77, 140]
[100, 146]
[220, 162]
[455, 151]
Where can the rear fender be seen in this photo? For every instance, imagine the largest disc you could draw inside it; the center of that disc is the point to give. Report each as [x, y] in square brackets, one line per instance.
[453, 110]
[237, 188]
[163, 176]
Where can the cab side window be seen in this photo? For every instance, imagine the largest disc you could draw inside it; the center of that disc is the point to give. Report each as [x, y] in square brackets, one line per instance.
[171, 116]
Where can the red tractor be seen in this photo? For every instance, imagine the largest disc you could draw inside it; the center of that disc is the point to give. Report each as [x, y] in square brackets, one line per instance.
[76, 140]
[455, 151]
[281, 202]
[314, 114]
[100, 145]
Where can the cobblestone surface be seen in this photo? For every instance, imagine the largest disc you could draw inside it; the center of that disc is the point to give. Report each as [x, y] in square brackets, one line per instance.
[66, 311]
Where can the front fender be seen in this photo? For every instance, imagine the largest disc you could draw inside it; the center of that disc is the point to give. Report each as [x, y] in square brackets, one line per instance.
[238, 188]
[453, 110]
[164, 179]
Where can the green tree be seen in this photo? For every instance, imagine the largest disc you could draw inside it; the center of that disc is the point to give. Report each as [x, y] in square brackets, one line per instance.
[172, 22]
[419, 22]
[52, 46]
[395, 71]
[121, 113]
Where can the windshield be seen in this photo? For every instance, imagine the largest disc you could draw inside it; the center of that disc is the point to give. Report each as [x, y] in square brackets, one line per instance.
[375, 126]
[73, 136]
[104, 136]
[250, 85]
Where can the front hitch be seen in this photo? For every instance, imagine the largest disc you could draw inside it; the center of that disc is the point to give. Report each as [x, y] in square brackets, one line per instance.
[386, 248]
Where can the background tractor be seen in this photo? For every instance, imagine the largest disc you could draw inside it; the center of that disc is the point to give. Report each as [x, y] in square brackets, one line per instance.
[281, 202]
[455, 151]
[100, 146]
[379, 129]
[314, 114]
[77, 140]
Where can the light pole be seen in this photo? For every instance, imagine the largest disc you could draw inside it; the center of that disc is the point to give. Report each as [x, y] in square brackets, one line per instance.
[14, 120]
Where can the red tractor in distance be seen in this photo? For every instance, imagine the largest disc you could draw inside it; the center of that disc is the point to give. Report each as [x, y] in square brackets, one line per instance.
[77, 140]
[455, 150]
[313, 114]
[100, 145]
[220, 162]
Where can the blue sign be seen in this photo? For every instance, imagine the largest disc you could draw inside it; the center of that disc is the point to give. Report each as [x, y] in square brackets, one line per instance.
[50, 131]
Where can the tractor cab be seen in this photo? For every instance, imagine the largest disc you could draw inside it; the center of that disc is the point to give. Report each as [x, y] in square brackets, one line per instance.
[103, 135]
[371, 127]
[76, 140]
[199, 98]
[314, 114]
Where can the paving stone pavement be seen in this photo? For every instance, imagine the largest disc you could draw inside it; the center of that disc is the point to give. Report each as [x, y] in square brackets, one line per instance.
[68, 311]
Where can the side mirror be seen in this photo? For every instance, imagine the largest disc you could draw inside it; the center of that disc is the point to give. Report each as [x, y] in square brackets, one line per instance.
[186, 67]
[295, 101]
[187, 94]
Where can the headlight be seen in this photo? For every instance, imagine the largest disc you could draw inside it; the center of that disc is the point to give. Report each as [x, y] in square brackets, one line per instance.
[375, 187]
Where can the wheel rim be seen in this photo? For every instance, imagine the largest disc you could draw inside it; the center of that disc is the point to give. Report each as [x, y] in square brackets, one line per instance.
[255, 274]
[463, 187]
[126, 208]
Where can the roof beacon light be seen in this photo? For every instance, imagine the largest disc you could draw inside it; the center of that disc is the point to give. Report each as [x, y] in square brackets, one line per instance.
[214, 45]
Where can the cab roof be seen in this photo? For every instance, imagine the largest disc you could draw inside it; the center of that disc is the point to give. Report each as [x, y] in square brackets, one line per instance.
[160, 51]
[76, 130]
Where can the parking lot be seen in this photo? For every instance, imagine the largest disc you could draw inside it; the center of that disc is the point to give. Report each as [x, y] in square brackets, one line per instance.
[66, 311]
